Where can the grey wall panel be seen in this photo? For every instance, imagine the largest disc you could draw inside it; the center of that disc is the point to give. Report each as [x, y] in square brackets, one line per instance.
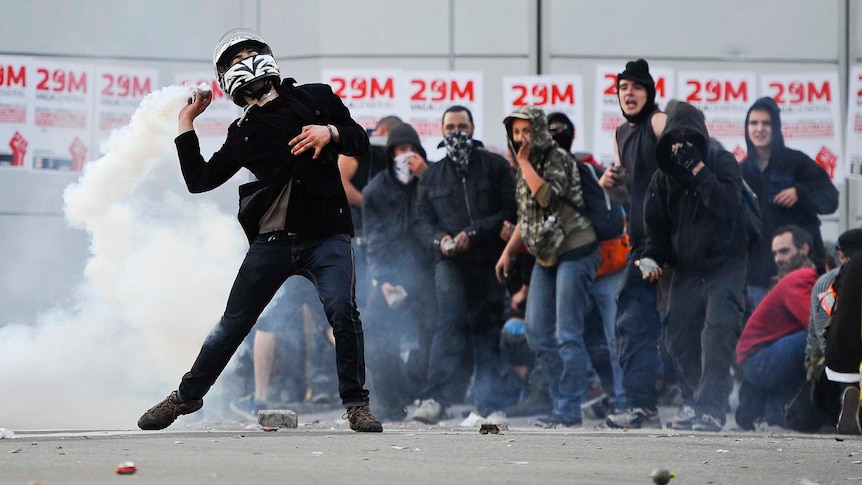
[493, 27]
[494, 69]
[766, 29]
[292, 27]
[383, 27]
[162, 29]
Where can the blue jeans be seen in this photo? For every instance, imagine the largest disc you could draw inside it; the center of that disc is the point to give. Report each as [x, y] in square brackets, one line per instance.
[604, 291]
[556, 303]
[470, 308]
[638, 331]
[328, 263]
[774, 374]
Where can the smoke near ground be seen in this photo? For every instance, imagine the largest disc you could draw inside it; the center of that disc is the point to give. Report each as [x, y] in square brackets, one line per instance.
[160, 267]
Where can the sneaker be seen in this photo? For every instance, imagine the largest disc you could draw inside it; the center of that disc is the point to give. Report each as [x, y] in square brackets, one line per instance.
[361, 420]
[166, 412]
[707, 423]
[595, 404]
[684, 419]
[635, 418]
[246, 407]
[848, 420]
[428, 412]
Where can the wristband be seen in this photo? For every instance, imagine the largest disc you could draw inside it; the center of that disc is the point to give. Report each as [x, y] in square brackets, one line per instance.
[331, 134]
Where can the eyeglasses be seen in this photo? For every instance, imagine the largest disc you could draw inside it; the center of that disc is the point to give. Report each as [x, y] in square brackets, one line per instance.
[557, 127]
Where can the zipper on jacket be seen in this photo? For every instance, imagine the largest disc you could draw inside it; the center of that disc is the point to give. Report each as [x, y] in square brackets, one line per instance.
[467, 198]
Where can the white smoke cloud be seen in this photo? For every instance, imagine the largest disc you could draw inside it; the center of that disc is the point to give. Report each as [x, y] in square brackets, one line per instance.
[160, 268]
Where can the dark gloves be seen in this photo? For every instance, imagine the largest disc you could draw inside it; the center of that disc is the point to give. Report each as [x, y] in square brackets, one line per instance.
[687, 156]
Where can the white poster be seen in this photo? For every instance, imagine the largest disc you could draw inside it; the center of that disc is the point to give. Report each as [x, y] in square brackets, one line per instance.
[16, 112]
[63, 115]
[724, 97]
[608, 114]
[369, 94]
[554, 93]
[211, 126]
[810, 114]
[120, 90]
[431, 93]
[853, 154]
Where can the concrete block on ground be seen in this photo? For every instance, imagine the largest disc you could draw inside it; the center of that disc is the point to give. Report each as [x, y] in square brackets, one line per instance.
[278, 418]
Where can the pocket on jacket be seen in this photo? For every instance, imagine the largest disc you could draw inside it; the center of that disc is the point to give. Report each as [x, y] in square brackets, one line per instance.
[324, 201]
[486, 197]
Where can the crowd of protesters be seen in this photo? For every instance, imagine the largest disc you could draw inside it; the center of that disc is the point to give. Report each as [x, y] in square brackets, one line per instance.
[483, 282]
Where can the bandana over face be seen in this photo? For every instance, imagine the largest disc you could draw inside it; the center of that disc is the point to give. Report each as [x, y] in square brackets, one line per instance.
[402, 168]
[459, 147]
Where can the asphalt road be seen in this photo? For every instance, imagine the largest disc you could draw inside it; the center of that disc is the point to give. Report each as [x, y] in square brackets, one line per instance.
[324, 450]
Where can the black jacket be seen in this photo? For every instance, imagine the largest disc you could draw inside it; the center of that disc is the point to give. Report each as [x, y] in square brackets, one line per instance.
[258, 142]
[393, 252]
[787, 168]
[694, 222]
[477, 203]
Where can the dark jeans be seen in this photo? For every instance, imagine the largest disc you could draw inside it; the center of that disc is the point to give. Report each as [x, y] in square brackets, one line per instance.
[470, 306]
[704, 313]
[773, 376]
[638, 331]
[328, 263]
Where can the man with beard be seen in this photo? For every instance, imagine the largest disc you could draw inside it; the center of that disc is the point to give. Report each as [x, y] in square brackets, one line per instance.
[638, 321]
[771, 349]
[694, 223]
[463, 200]
[791, 247]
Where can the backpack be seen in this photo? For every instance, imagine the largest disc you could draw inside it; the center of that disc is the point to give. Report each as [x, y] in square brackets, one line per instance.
[605, 214]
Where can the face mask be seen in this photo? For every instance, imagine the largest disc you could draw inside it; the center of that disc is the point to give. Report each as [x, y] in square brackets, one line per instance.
[402, 168]
[459, 146]
[378, 140]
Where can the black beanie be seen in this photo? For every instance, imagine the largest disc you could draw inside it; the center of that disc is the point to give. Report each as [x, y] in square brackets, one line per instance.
[638, 71]
[850, 242]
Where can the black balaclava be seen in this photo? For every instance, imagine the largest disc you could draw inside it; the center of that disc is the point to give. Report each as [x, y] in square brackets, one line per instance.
[567, 136]
[638, 71]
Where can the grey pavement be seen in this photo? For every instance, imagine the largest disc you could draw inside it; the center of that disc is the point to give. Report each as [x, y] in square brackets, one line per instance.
[324, 450]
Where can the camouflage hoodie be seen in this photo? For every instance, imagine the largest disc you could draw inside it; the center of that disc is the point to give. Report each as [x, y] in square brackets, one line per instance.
[561, 181]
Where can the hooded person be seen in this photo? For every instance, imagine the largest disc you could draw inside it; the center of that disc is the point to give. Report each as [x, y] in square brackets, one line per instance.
[401, 303]
[694, 223]
[567, 257]
[790, 186]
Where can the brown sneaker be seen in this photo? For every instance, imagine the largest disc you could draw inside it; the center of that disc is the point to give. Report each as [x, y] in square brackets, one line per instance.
[361, 420]
[166, 412]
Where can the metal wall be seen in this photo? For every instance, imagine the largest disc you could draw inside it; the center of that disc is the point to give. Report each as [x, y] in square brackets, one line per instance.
[498, 37]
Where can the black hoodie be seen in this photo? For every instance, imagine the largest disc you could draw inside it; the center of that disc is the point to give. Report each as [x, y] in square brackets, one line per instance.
[786, 168]
[394, 254]
[694, 222]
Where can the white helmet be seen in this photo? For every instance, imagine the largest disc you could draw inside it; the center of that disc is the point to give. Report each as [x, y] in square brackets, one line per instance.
[232, 79]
